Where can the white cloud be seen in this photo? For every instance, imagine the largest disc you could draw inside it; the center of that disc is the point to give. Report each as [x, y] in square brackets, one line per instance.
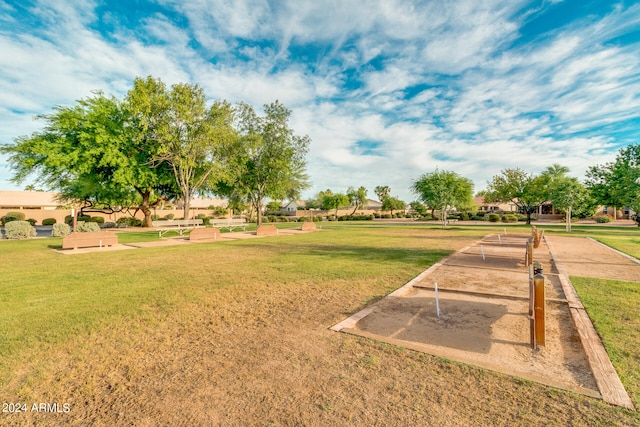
[486, 100]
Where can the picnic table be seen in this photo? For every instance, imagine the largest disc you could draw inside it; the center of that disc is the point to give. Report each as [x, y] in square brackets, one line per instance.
[179, 225]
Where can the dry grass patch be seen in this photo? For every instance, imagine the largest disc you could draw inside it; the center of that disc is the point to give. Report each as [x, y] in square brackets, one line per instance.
[235, 333]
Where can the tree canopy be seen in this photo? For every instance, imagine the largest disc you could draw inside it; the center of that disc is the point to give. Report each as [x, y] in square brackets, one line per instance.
[617, 184]
[443, 190]
[268, 159]
[382, 191]
[524, 190]
[357, 198]
[390, 203]
[94, 154]
[194, 140]
[329, 200]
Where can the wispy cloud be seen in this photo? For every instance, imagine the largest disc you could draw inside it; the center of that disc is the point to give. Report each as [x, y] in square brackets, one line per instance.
[386, 89]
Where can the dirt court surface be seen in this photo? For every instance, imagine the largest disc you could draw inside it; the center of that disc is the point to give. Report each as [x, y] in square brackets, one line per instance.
[483, 297]
[260, 353]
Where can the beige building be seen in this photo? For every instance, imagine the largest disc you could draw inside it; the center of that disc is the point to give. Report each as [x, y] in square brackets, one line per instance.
[40, 205]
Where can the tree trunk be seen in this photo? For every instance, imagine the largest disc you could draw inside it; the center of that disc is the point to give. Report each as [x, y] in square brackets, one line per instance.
[568, 219]
[258, 212]
[145, 207]
[185, 208]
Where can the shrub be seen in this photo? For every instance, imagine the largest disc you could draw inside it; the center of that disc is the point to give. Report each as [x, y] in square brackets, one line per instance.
[206, 220]
[49, 221]
[69, 219]
[60, 230]
[464, 216]
[494, 217]
[19, 230]
[32, 221]
[9, 218]
[86, 227]
[169, 216]
[128, 221]
[17, 215]
[602, 219]
[97, 219]
[108, 224]
[509, 218]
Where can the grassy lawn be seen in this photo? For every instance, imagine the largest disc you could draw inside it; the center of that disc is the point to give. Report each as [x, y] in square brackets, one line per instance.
[92, 328]
[613, 307]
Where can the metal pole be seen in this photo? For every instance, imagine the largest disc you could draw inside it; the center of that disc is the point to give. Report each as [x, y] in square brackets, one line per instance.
[532, 322]
[437, 300]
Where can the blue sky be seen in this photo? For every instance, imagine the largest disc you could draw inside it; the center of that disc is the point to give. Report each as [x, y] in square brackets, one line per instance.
[387, 90]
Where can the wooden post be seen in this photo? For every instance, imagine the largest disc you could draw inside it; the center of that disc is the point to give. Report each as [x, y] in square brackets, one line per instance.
[529, 259]
[536, 238]
[538, 284]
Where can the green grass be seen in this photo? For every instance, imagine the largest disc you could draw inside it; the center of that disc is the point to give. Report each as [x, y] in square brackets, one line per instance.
[47, 299]
[614, 309]
[68, 295]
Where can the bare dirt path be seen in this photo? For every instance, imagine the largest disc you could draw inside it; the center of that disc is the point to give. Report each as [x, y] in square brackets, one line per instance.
[262, 354]
[479, 314]
[584, 257]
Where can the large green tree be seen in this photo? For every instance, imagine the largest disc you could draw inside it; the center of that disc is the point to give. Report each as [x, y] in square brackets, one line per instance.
[524, 190]
[566, 193]
[268, 158]
[444, 190]
[192, 138]
[357, 198]
[617, 184]
[391, 203]
[93, 154]
[382, 191]
[330, 200]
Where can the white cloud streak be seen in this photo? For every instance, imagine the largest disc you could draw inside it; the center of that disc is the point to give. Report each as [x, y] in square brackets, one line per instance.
[431, 84]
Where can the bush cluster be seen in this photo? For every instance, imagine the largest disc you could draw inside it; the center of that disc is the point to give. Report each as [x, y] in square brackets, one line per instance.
[602, 219]
[60, 230]
[274, 218]
[49, 221]
[12, 216]
[510, 218]
[128, 222]
[87, 227]
[17, 229]
[493, 217]
[355, 218]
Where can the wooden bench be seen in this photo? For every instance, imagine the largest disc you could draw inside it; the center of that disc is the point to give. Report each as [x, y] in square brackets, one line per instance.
[204, 234]
[267, 230]
[179, 225]
[309, 226]
[89, 239]
[230, 223]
